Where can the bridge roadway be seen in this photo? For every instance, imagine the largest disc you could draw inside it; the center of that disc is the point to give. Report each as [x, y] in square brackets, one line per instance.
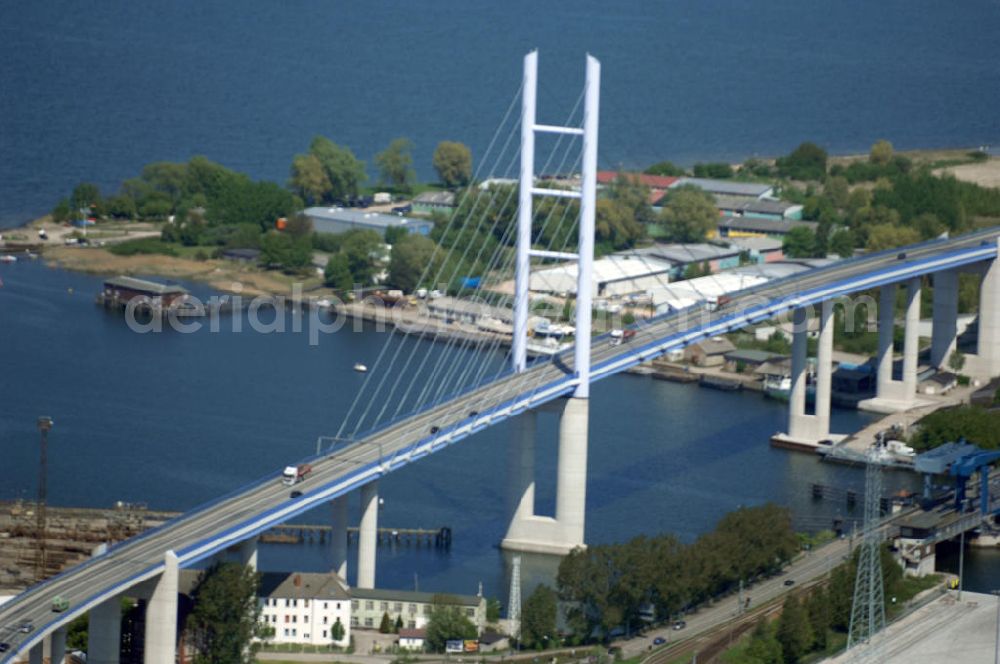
[250, 510]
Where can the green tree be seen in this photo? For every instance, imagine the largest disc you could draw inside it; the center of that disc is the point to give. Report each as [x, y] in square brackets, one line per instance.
[385, 627]
[842, 243]
[446, 622]
[453, 163]
[713, 170]
[85, 195]
[881, 152]
[62, 212]
[410, 259]
[799, 242]
[818, 609]
[763, 647]
[167, 177]
[492, 610]
[337, 274]
[394, 234]
[309, 179]
[121, 206]
[345, 172]
[284, 251]
[226, 614]
[837, 191]
[615, 225]
[806, 162]
[664, 168]
[890, 236]
[629, 192]
[956, 361]
[689, 214]
[395, 163]
[398, 625]
[362, 248]
[337, 630]
[538, 619]
[794, 632]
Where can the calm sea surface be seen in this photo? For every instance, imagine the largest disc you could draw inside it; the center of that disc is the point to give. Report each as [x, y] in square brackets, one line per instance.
[93, 91]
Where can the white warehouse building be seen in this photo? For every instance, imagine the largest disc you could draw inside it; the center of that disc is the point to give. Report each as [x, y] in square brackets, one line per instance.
[613, 275]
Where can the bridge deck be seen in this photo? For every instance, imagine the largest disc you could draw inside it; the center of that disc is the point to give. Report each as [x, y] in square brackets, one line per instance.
[259, 506]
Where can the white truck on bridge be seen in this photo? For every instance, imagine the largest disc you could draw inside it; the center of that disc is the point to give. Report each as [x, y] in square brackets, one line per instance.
[292, 475]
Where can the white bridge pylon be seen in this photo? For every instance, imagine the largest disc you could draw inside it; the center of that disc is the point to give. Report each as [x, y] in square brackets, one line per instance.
[565, 531]
[586, 195]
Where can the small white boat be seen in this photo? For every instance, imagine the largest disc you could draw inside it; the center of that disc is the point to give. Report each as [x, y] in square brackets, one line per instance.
[360, 368]
[7, 258]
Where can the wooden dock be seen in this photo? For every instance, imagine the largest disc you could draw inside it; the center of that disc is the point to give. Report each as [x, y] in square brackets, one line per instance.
[304, 533]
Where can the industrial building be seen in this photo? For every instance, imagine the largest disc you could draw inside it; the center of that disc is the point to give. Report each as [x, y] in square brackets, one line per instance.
[434, 201]
[745, 190]
[714, 257]
[412, 607]
[339, 220]
[618, 274]
[758, 227]
[761, 208]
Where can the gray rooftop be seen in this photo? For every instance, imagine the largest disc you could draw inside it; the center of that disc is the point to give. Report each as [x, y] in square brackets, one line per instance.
[305, 585]
[725, 187]
[375, 220]
[755, 205]
[144, 286]
[751, 355]
[384, 594]
[683, 254]
[755, 243]
[760, 225]
[436, 198]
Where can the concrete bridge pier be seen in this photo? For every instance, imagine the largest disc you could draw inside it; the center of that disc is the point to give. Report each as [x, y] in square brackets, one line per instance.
[944, 333]
[248, 553]
[805, 428]
[35, 654]
[571, 480]
[338, 536]
[985, 363]
[57, 646]
[104, 624]
[896, 395]
[530, 532]
[368, 535]
[161, 615]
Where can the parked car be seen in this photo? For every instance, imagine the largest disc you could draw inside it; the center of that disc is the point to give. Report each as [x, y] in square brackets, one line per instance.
[789, 582]
[680, 624]
[659, 641]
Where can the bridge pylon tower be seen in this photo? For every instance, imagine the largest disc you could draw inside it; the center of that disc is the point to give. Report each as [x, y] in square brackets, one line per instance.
[564, 532]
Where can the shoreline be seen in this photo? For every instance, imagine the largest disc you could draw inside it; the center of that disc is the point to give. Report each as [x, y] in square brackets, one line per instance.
[229, 277]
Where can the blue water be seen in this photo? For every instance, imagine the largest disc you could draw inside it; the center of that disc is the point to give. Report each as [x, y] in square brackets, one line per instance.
[93, 91]
[174, 420]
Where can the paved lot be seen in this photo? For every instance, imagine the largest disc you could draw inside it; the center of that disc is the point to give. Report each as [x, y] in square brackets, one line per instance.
[943, 631]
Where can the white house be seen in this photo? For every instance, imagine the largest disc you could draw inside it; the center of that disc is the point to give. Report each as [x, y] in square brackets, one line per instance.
[304, 607]
[412, 639]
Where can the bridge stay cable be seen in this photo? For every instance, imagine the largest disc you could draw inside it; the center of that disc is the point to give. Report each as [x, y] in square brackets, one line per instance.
[460, 346]
[476, 174]
[486, 348]
[445, 358]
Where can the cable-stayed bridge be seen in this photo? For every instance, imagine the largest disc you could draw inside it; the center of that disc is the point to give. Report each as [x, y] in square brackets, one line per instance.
[413, 405]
